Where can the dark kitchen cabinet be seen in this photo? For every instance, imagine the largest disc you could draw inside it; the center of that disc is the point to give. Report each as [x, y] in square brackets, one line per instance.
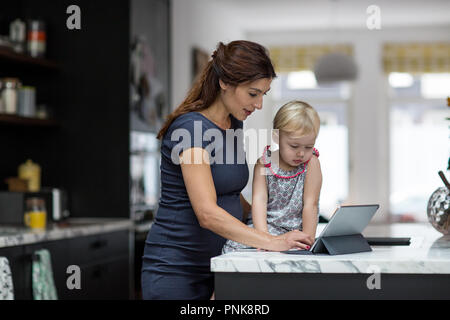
[104, 262]
[106, 280]
[84, 81]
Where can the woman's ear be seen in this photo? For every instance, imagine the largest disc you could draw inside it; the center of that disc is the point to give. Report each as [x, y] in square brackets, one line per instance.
[223, 85]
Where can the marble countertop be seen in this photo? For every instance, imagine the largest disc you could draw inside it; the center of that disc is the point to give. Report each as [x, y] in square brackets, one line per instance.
[428, 253]
[73, 227]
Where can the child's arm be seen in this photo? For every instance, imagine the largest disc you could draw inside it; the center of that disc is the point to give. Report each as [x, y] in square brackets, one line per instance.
[259, 198]
[311, 192]
[246, 208]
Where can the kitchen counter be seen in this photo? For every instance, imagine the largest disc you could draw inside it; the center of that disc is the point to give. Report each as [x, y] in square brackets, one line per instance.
[429, 252]
[71, 228]
[425, 262]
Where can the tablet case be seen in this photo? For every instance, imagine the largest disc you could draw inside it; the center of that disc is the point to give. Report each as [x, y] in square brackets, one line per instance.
[335, 245]
[351, 244]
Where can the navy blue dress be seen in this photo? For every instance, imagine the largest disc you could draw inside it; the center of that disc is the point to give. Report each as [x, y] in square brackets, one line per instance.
[177, 253]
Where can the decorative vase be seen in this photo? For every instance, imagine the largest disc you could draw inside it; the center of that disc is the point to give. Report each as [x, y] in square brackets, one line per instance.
[438, 210]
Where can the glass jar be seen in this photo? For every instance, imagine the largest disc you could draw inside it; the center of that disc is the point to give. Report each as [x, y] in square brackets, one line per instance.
[36, 214]
[9, 95]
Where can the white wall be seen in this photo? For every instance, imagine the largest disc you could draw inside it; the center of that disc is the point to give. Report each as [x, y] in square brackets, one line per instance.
[203, 23]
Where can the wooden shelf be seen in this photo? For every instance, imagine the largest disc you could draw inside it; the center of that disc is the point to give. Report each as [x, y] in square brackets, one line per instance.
[8, 55]
[7, 119]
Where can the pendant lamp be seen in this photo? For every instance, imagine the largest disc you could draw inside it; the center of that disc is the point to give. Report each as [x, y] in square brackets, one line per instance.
[334, 67]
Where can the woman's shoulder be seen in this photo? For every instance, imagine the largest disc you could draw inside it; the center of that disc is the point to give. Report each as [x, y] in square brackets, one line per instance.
[186, 121]
[187, 117]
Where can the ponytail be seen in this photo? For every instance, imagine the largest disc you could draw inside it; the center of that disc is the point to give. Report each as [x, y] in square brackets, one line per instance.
[235, 63]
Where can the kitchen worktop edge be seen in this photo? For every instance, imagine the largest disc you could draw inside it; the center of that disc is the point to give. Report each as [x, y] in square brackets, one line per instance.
[78, 227]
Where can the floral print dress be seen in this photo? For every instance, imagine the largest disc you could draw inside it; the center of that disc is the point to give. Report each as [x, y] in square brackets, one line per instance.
[285, 199]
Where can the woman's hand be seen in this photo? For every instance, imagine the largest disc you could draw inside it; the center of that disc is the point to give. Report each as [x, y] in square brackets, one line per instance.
[292, 240]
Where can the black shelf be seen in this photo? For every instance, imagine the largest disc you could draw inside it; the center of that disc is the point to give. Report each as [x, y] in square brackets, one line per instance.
[84, 80]
[7, 119]
[10, 56]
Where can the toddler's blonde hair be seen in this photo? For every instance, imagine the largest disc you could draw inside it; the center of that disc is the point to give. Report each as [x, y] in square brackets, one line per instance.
[297, 116]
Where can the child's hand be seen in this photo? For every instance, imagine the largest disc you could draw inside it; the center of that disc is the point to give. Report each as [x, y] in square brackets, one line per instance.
[291, 240]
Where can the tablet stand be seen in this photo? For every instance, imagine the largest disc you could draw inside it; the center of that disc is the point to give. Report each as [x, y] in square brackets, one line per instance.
[342, 244]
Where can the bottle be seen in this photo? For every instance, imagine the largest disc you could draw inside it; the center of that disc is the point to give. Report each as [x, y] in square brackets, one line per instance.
[32, 172]
[36, 38]
[17, 30]
[10, 95]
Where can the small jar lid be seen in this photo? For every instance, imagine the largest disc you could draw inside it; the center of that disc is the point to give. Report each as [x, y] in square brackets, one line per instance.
[36, 25]
[11, 83]
[35, 202]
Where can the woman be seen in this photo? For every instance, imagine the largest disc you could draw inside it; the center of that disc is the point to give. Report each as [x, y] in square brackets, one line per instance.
[201, 203]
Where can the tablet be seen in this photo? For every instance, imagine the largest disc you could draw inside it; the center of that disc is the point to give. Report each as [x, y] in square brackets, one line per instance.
[346, 220]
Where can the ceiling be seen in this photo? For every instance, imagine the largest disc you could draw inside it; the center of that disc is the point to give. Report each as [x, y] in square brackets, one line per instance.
[257, 15]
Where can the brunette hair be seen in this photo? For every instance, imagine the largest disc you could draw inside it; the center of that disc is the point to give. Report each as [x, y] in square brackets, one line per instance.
[234, 63]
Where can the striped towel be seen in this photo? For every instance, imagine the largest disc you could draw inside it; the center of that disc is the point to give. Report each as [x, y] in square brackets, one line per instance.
[42, 276]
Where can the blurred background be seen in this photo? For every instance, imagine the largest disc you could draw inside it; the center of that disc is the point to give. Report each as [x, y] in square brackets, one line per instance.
[384, 133]
[85, 86]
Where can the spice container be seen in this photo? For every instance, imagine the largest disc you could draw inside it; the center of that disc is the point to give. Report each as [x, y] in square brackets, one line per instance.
[32, 172]
[36, 38]
[9, 95]
[17, 34]
[27, 101]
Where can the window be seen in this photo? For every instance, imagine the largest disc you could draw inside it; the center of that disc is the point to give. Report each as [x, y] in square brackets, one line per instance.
[331, 102]
[144, 172]
[419, 140]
